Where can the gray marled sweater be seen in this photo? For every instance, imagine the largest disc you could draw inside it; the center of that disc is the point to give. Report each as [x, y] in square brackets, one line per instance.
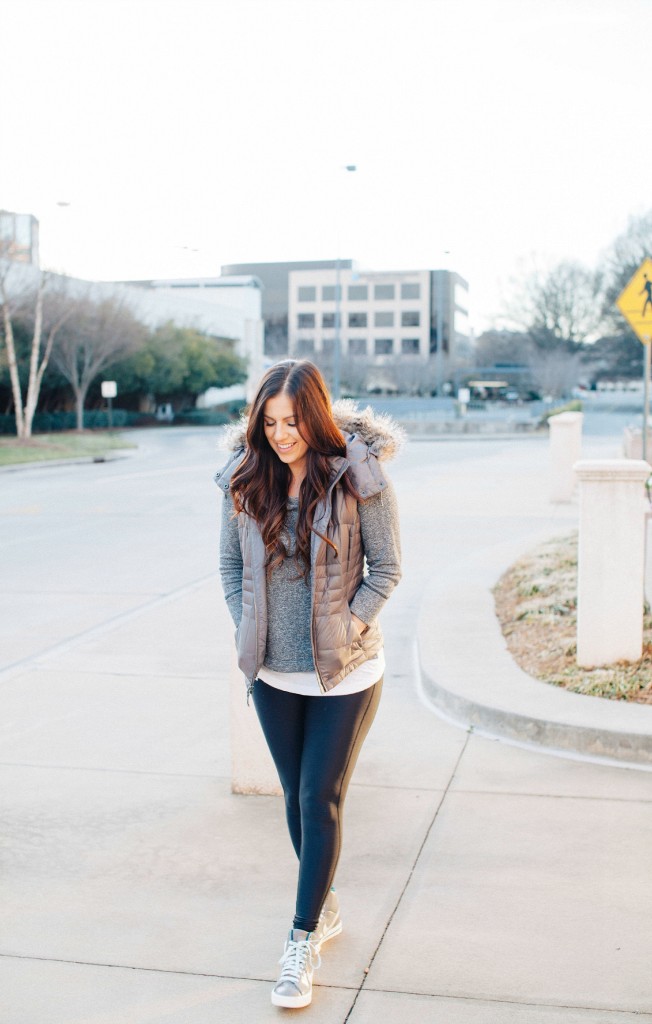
[288, 598]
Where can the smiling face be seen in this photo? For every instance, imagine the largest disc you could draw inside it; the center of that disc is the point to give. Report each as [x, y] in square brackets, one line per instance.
[283, 435]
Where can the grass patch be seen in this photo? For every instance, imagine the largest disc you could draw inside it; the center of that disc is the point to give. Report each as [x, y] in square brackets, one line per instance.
[536, 605]
[61, 445]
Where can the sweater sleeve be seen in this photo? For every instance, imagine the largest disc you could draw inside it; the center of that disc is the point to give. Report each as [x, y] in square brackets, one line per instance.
[231, 560]
[381, 541]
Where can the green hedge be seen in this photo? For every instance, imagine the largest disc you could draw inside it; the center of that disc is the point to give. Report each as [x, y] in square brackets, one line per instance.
[49, 422]
[202, 418]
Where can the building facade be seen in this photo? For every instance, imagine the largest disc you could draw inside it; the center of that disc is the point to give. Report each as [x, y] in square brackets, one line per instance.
[226, 307]
[382, 314]
[19, 237]
[217, 306]
[275, 279]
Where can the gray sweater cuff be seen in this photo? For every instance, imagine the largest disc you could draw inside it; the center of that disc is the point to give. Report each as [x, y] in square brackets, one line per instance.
[367, 604]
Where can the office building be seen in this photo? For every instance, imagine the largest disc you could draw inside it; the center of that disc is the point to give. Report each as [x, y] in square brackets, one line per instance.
[382, 314]
[275, 279]
[226, 307]
[19, 237]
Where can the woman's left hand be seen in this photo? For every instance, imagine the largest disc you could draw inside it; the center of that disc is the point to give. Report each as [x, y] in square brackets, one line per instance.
[359, 624]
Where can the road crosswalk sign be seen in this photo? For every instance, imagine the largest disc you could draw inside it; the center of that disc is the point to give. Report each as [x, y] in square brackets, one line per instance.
[635, 302]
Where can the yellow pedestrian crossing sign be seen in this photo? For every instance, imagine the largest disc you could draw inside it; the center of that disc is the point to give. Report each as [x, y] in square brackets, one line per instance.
[635, 302]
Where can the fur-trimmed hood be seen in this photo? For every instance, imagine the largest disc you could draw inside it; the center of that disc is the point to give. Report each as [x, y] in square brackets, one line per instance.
[371, 438]
[381, 434]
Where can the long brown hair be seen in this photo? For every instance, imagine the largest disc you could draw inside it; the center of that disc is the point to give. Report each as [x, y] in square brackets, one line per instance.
[260, 484]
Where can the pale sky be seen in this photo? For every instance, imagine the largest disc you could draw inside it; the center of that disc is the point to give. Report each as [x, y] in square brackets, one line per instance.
[494, 129]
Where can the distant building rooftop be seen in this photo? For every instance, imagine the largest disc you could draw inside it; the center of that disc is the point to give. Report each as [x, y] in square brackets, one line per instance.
[233, 281]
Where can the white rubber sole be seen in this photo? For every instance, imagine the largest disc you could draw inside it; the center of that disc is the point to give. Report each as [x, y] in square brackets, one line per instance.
[292, 1001]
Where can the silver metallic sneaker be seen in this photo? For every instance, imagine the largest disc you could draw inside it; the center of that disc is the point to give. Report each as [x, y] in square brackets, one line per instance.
[294, 986]
[330, 922]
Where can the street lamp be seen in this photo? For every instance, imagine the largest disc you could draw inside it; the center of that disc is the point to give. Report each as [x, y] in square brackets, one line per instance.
[439, 355]
[337, 347]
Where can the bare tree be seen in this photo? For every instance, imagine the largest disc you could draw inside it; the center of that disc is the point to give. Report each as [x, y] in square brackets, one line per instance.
[99, 333]
[355, 374]
[622, 259]
[46, 311]
[554, 372]
[413, 375]
[560, 305]
[501, 346]
[629, 249]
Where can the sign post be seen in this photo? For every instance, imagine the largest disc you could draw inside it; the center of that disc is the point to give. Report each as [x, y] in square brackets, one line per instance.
[646, 400]
[109, 390]
[635, 304]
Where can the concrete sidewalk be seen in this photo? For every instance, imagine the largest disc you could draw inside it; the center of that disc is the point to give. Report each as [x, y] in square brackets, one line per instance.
[481, 883]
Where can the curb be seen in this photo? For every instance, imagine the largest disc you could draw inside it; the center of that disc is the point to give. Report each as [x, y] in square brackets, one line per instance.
[468, 674]
[472, 437]
[472, 428]
[111, 456]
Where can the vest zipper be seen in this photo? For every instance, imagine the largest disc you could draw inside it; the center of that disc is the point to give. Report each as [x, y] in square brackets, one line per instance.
[320, 681]
[250, 682]
[314, 648]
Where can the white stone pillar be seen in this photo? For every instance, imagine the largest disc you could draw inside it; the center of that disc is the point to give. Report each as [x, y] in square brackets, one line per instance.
[633, 442]
[565, 450]
[611, 569]
[252, 768]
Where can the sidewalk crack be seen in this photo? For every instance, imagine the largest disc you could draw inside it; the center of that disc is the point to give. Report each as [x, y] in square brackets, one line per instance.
[409, 877]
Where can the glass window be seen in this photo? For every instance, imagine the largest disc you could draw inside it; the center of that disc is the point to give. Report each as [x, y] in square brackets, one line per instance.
[410, 346]
[328, 292]
[7, 226]
[383, 291]
[305, 346]
[328, 346]
[357, 319]
[306, 320]
[383, 319]
[410, 319]
[358, 292]
[384, 346]
[307, 293]
[357, 346]
[328, 319]
[410, 291]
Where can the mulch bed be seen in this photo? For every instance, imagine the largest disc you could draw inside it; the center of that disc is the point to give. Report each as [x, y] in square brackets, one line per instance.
[536, 604]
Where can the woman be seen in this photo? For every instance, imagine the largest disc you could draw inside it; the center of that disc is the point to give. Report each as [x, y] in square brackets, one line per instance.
[307, 505]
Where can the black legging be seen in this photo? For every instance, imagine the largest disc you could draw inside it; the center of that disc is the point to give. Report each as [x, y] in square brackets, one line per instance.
[315, 742]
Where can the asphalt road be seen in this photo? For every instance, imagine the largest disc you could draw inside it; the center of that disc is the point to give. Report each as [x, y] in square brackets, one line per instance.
[83, 544]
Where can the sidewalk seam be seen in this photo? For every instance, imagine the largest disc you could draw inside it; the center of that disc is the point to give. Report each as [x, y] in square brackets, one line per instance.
[130, 967]
[113, 771]
[505, 1002]
[344, 988]
[107, 626]
[409, 877]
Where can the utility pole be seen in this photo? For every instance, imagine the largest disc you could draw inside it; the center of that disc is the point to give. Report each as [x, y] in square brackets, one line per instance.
[337, 347]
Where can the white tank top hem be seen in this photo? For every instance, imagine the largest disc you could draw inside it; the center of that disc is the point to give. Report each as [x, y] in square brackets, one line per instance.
[306, 683]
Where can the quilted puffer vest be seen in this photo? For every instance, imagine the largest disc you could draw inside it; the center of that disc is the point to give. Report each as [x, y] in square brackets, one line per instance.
[337, 646]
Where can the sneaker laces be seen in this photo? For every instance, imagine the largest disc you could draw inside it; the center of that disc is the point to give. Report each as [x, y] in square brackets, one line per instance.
[297, 954]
